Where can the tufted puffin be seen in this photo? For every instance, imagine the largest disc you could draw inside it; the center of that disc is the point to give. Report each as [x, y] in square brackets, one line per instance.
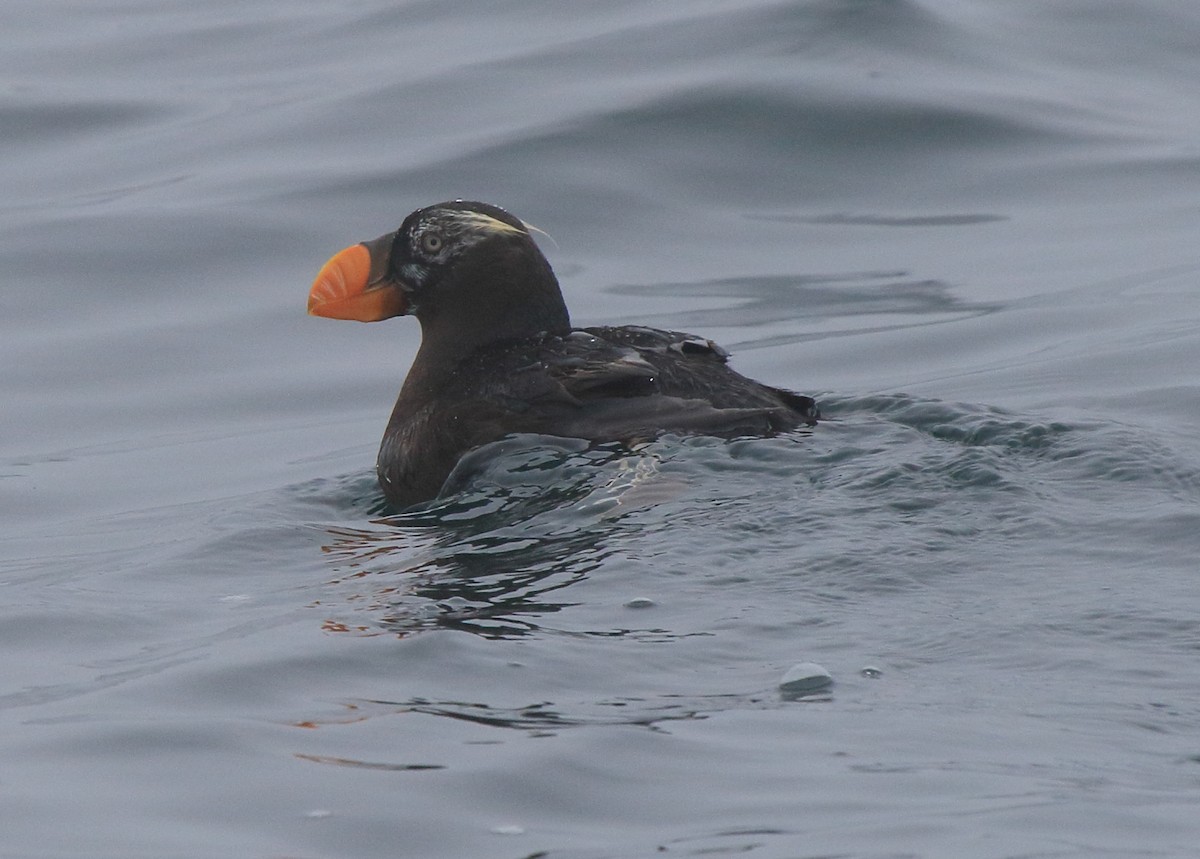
[498, 354]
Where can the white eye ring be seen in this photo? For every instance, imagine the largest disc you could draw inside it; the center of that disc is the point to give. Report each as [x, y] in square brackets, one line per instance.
[431, 242]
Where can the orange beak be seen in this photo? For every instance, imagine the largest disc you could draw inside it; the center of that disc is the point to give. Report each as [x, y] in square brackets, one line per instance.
[354, 285]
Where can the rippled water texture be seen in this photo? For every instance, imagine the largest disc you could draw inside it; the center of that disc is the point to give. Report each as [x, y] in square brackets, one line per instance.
[956, 618]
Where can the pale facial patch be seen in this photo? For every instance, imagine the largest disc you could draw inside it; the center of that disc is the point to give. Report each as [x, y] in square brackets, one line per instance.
[458, 229]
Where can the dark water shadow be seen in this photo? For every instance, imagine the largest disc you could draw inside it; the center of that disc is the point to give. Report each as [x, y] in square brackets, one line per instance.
[520, 521]
[529, 519]
[772, 299]
[546, 718]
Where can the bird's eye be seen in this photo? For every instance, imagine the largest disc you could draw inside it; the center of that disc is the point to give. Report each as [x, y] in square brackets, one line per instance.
[431, 243]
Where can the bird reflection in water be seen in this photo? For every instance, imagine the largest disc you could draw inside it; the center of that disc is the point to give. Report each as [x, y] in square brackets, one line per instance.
[520, 522]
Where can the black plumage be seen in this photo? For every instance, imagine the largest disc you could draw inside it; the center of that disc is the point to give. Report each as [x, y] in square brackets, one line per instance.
[499, 356]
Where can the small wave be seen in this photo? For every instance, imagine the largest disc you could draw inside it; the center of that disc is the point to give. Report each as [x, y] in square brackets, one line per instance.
[527, 519]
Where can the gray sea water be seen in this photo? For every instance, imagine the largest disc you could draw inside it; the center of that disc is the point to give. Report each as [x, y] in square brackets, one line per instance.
[968, 227]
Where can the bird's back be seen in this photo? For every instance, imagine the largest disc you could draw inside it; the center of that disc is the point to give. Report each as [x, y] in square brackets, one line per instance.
[601, 384]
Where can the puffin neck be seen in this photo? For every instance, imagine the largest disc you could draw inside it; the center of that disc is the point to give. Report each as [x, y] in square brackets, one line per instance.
[511, 299]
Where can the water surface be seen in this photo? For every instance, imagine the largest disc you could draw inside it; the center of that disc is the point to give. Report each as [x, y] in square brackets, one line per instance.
[968, 229]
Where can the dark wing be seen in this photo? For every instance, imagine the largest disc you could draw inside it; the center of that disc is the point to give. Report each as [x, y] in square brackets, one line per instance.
[632, 382]
[692, 366]
[600, 384]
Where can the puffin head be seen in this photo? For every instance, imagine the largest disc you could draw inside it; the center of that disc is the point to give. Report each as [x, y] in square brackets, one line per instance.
[465, 262]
